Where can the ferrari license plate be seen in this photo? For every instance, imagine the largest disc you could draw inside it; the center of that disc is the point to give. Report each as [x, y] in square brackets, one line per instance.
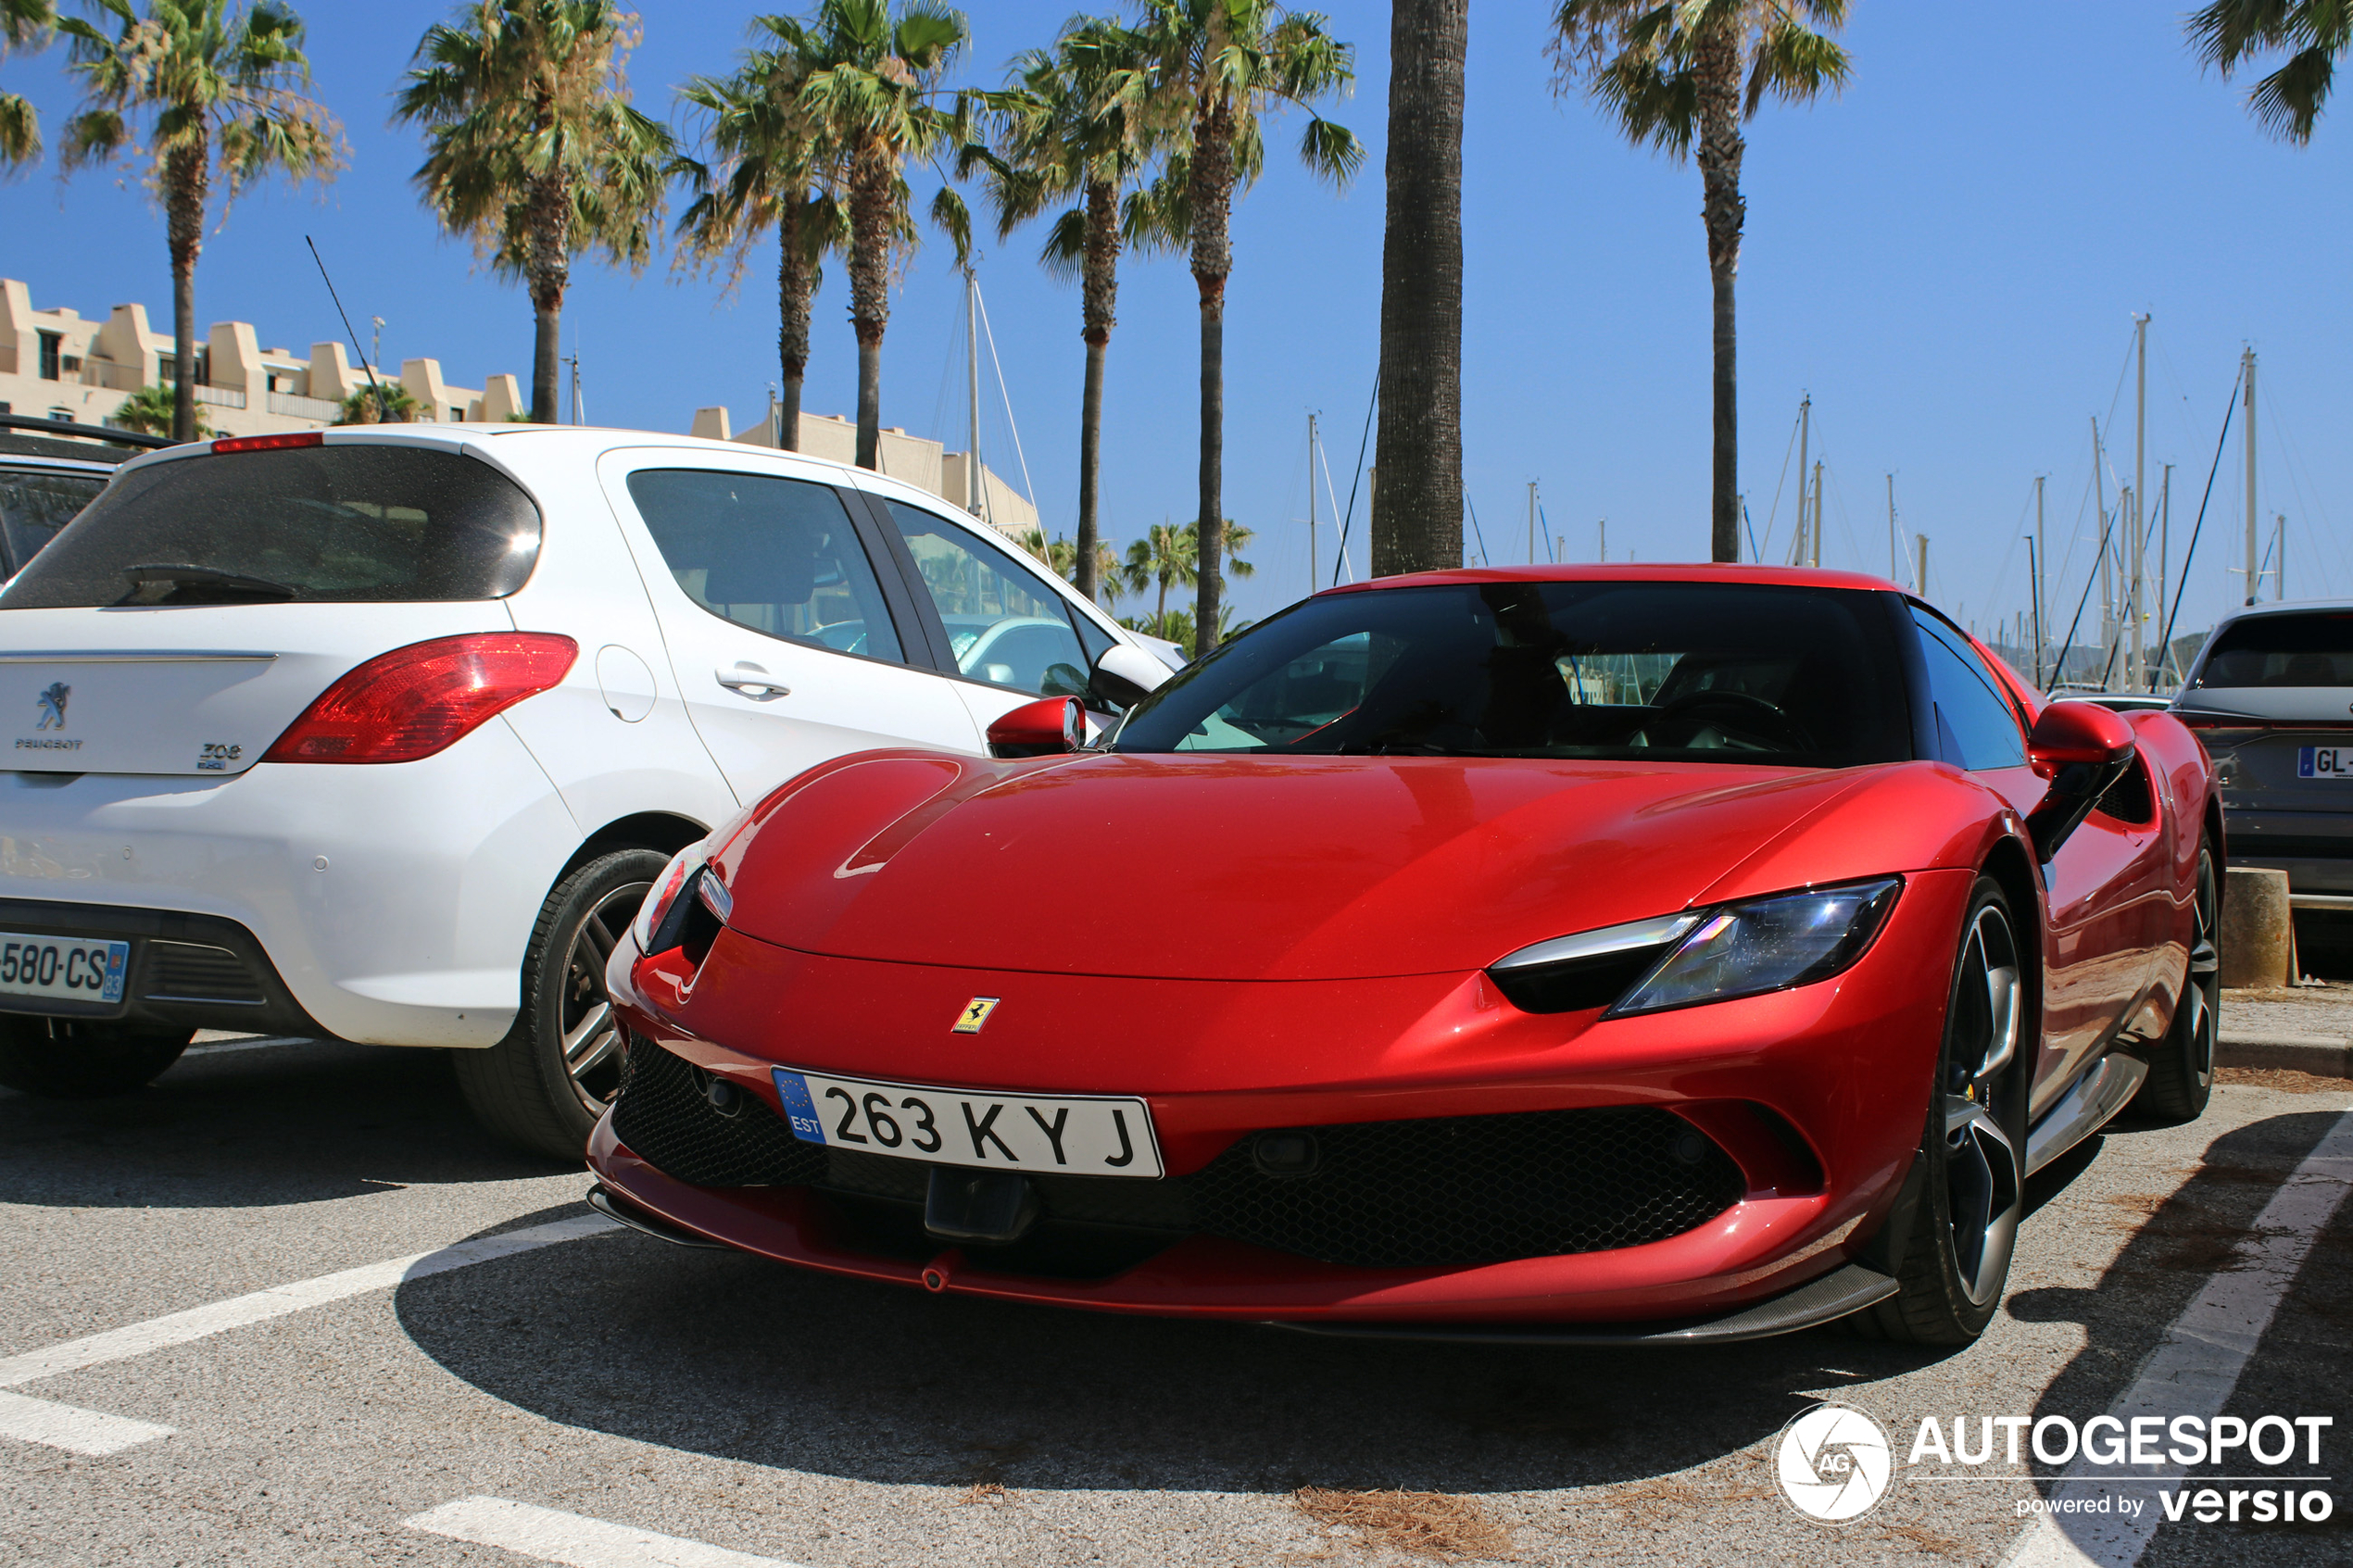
[67, 968]
[1094, 1135]
[2324, 763]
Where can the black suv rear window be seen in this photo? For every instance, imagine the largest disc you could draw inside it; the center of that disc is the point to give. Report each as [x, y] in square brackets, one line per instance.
[2283, 650]
[337, 524]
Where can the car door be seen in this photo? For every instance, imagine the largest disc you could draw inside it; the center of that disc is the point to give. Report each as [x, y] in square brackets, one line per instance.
[789, 645]
[2103, 886]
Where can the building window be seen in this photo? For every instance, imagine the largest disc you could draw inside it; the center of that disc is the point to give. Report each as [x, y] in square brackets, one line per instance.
[167, 369]
[457, 415]
[63, 415]
[51, 347]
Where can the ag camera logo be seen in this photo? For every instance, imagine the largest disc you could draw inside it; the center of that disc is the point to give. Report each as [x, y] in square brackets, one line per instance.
[1833, 1464]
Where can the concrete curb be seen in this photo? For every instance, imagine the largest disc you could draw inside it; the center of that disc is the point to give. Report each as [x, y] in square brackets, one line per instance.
[2324, 1056]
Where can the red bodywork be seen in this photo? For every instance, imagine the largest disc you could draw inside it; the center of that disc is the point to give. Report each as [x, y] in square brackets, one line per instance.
[1301, 941]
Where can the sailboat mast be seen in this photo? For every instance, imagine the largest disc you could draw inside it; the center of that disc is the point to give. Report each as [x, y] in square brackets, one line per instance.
[1311, 504]
[2247, 374]
[972, 388]
[1894, 563]
[1805, 437]
[2137, 680]
[1817, 535]
[2108, 548]
[1531, 522]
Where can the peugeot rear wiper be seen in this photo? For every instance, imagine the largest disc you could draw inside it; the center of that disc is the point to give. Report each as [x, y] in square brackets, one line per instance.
[156, 584]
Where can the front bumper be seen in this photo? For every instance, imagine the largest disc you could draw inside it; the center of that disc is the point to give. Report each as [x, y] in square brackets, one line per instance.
[2314, 847]
[1843, 1064]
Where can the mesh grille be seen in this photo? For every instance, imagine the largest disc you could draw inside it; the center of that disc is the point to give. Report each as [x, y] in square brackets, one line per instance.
[662, 1115]
[1434, 1193]
[187, 972]
[1461, 1190]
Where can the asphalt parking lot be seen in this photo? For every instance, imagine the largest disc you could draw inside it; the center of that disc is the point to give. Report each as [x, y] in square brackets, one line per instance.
[584, 1394]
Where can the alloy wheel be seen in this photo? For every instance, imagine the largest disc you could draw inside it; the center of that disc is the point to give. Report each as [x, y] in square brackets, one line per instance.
[590, 1036]
[2206, 966]
[1984, 1177]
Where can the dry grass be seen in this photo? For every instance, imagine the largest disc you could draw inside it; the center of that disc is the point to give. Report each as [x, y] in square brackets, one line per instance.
[985, 1492]
[2283, 1078]
[1423, 1524]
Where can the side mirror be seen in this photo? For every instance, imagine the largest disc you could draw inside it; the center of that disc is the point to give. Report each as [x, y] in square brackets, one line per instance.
[1124, 675]
[1047, 727]
[2083, 749]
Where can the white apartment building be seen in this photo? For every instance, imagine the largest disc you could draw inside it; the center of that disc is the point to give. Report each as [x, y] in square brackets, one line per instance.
[57, 364]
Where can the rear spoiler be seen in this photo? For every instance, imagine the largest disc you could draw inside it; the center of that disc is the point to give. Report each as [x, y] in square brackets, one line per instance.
[86, 432]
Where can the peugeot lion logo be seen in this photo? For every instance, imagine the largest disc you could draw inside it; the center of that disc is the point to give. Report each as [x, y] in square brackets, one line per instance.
[53, 706]
[975, 1015]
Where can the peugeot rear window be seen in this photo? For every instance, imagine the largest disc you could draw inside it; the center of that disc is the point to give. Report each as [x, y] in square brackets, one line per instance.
[2283, 650]
[332, 524]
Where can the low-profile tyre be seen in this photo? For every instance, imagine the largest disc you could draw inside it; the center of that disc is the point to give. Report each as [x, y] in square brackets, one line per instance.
[544, 1085]
[68, 1059]
[1956, 1222]
[2181, 1075]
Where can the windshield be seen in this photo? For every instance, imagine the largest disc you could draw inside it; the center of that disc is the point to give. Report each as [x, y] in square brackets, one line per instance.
[2281, 650]
[352, 524]
[1668, 672]
[35, 502]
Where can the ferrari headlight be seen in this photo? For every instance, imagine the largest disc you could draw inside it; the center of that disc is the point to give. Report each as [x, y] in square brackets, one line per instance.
[1766, 945]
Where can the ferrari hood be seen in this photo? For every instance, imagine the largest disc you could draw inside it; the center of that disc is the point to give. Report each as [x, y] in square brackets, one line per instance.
[1245, 868]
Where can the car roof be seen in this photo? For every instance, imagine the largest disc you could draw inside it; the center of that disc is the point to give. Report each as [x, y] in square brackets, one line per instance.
[1634, 572]
[23, 452]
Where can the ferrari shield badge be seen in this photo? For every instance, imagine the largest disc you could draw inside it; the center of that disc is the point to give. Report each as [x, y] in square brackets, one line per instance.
[975, 1016]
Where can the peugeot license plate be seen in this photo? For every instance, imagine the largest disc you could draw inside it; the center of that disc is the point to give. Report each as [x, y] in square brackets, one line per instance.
[1089, 1136]
[2324, 763]
[67, 968]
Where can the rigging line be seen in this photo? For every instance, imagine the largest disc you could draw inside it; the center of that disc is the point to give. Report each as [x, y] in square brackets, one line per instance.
[1363, 442]
[1477, 533]
[1776, 511]
[1323, 457]
[2058, 670]
[2314, 504]
[1749, 519]
[1543, 521]
[2228, 410]
[1004, 393]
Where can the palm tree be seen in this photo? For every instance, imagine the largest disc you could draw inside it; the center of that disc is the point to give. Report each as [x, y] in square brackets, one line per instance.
[1059, 138]
[775, 171]
[875, 92]
[24, 24]
[223, 96]
[534, 149]
[1679, 71]
[1209, 71]
[2286, 103]
[387, 402]
[1169, 557]
[149, 411]
[1417, 485]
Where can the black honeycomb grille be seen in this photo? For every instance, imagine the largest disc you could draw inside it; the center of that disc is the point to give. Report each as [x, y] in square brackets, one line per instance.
[188, 972]
[664, 1117]
[1447, 1192]
[1462, 1190]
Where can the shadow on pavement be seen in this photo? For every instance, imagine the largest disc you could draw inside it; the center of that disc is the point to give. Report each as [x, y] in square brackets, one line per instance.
[2181, 1240]
[233, 1129]
[730, 1356]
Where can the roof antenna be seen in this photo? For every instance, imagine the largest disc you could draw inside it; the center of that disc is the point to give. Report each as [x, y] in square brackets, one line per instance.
[383, 408]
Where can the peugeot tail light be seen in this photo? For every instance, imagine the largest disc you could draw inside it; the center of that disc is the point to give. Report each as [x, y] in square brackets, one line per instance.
[415, 701]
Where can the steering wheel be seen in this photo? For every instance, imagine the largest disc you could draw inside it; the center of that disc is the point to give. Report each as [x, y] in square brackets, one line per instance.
[1787, 731]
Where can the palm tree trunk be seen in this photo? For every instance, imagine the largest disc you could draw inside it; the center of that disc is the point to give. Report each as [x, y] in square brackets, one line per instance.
[794, 281]
[1718, 67]
[1100, 298]
[1418, 486]
[870, 215]
[550, 265]
[185, 174]
[1213, 192]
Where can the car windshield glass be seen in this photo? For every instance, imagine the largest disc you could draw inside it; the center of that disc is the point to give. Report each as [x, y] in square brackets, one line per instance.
[2312, 649]
[355, 524]
[35, 502]
[1680, 671]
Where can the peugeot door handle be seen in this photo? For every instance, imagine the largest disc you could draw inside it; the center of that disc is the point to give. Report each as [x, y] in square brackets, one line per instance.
[751, 681]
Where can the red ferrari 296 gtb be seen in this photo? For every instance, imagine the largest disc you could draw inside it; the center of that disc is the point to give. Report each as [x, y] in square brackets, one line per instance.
[1580, 954]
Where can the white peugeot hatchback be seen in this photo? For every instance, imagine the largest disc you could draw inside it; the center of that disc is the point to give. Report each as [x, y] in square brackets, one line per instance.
[383, 733]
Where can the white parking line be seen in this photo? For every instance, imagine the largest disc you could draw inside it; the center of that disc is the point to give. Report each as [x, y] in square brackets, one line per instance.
[575, 1539]
[199, 1323]
[76, 1431]
[2196, 1367]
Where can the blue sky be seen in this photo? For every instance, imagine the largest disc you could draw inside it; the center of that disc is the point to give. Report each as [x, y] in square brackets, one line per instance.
[1947, 256]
